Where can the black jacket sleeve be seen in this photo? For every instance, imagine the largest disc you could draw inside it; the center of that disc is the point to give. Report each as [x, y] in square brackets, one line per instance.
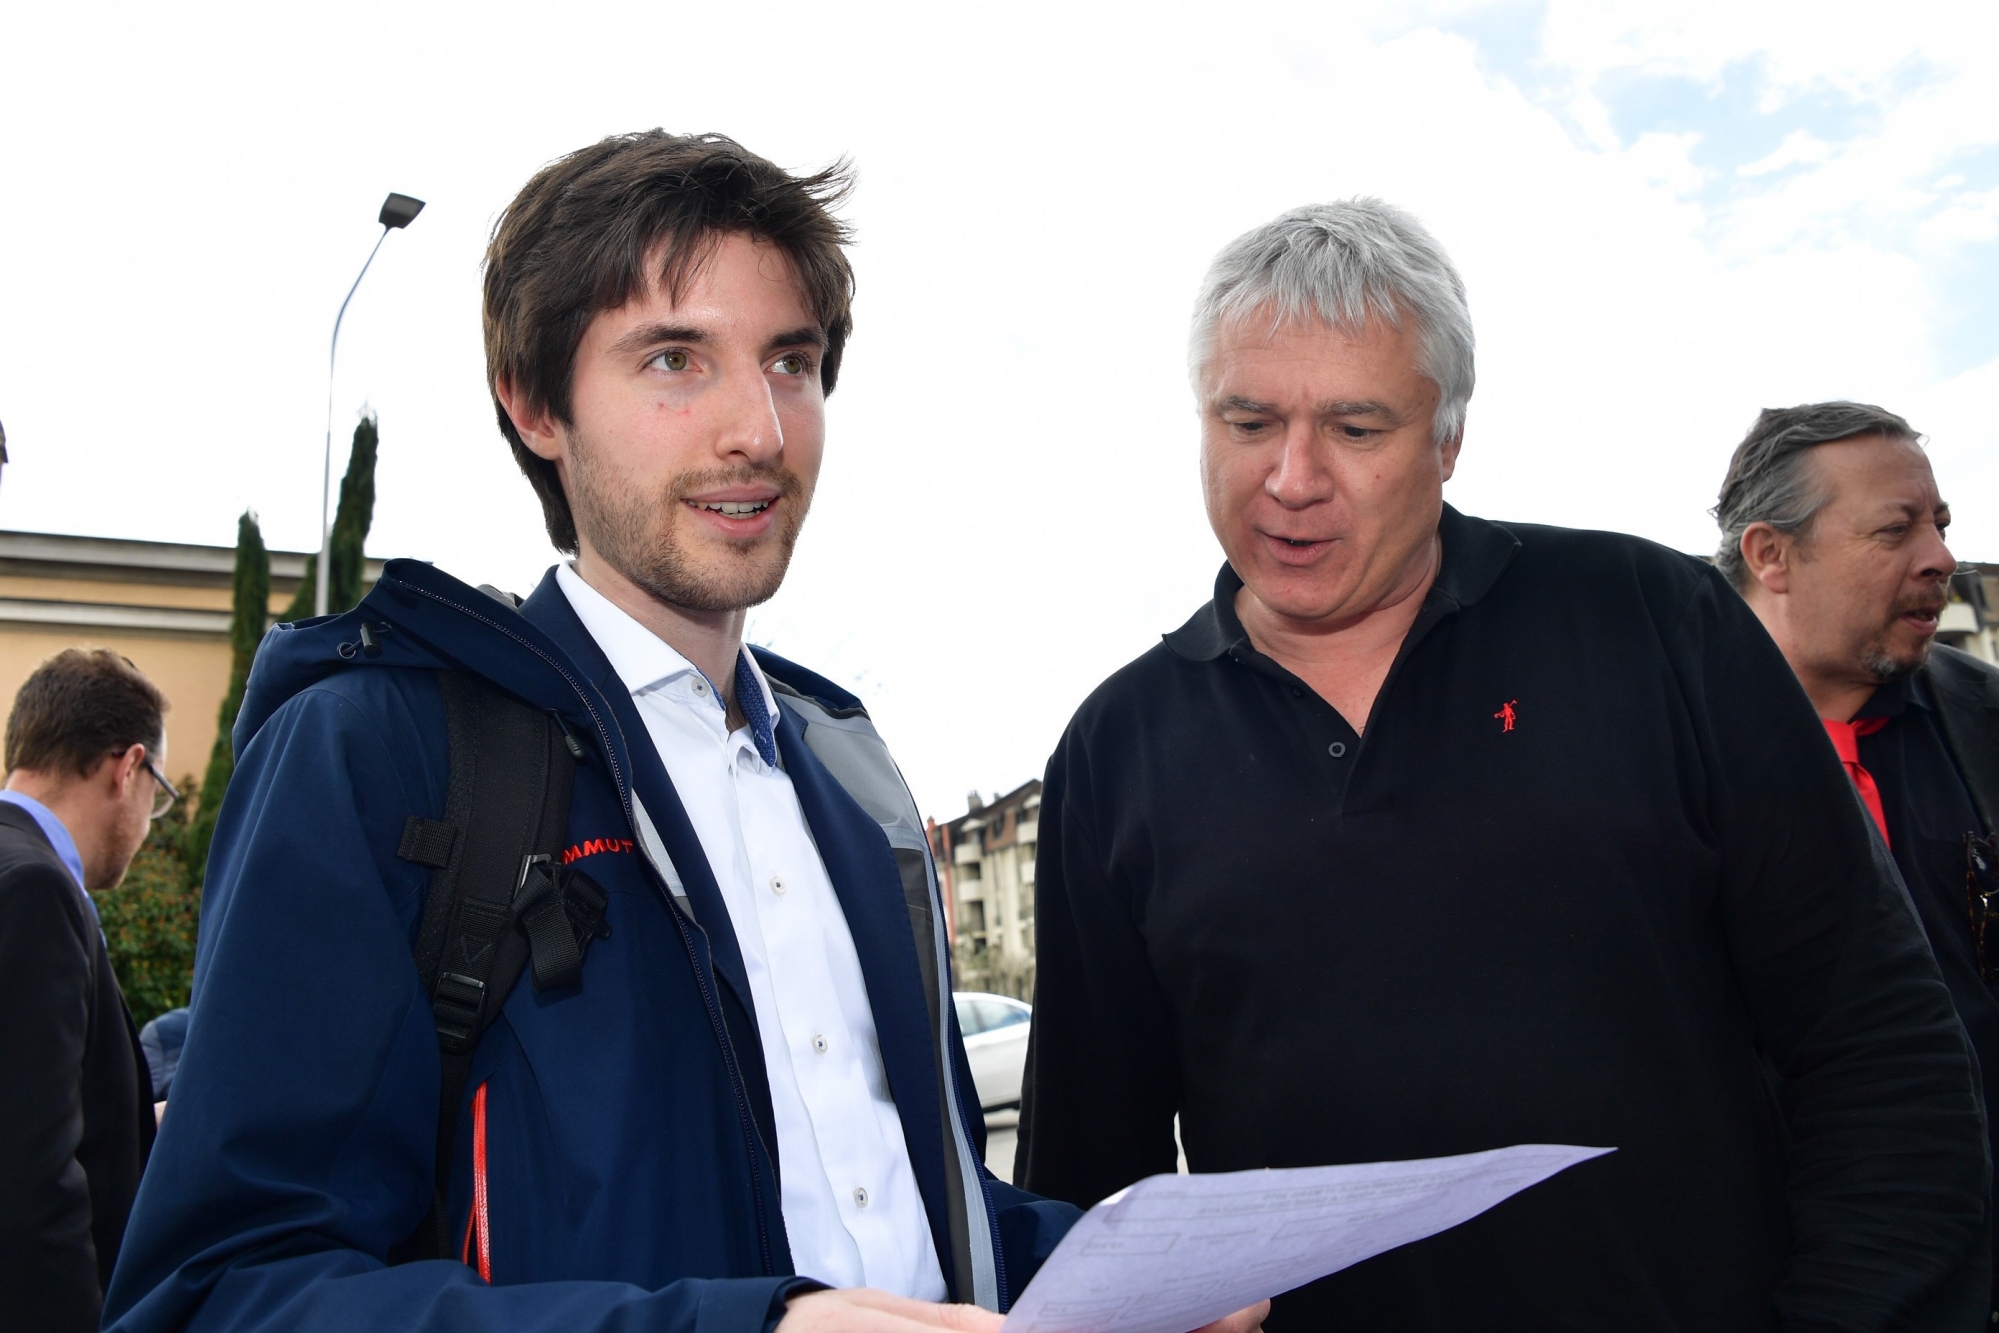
[1887, 1164]
[48, 1260]
[1099, 1097]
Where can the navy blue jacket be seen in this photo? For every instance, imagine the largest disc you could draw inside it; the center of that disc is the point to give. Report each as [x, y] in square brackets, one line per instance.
[632, 1180]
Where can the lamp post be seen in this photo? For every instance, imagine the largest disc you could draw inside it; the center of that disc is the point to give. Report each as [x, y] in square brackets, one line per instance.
[398, 211]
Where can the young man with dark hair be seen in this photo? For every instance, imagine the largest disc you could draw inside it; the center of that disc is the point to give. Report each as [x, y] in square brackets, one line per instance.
[1833, 532]
[85, 744]
[752, 1087]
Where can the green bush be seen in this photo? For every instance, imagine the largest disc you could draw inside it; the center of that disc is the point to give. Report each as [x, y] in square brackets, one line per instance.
[150, 919]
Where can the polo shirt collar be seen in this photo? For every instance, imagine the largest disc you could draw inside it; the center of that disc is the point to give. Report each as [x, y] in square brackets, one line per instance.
[1898, 696]
[1476, 553]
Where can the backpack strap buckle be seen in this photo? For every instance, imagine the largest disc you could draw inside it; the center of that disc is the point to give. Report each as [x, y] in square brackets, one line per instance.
[560, 910]
[457, 1004]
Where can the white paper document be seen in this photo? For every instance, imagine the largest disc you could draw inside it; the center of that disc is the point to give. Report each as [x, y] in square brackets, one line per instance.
[1175, 1252]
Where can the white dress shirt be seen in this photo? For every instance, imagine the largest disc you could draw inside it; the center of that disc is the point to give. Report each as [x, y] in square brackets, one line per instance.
[851, 1206]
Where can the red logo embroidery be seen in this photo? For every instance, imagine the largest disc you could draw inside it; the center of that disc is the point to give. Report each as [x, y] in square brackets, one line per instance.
[592, 846]
[1507, 717]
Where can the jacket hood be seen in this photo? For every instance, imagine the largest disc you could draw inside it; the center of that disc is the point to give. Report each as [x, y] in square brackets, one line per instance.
[416, 616]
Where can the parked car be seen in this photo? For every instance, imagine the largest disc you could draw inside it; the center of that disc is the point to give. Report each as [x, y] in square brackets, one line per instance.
[995, 1028]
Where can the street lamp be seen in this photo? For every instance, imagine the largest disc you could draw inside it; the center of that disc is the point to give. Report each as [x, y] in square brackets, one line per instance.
[398, 211]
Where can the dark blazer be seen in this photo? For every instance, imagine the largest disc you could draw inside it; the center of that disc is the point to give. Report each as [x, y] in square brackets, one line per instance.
[1967, 695]
[76, 1110]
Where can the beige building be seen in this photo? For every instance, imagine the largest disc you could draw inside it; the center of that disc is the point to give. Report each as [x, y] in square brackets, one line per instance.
[1971, 620]
[985, 858]
[164, 605]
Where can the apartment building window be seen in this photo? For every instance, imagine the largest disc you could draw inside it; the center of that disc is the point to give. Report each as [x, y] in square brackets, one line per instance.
[972, 919]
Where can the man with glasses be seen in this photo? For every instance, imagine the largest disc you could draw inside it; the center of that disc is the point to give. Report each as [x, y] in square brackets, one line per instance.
[1833, 531]
[84, 748]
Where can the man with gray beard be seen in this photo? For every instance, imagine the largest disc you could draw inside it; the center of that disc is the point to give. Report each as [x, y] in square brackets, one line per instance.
[1833, 532]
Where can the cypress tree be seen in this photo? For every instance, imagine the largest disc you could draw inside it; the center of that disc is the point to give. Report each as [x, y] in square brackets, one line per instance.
[351, 520]
[251, 611]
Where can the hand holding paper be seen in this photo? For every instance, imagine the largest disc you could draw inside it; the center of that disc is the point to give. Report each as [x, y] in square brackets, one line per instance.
[1173, 1253]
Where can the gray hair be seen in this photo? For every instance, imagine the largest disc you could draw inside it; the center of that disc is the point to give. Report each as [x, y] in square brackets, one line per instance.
[1768, 481]
[1337, 264]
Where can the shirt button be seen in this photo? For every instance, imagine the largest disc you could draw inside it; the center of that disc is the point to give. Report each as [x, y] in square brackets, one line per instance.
[1337, 749]
[777, 884]
[860, 1196]
[701, 687]
[819, 1042]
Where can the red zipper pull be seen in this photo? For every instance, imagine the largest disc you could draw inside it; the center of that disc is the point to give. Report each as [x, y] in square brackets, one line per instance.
[477, 1224]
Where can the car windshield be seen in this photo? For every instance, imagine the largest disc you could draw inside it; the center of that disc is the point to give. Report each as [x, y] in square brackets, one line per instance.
[983, 1013]
[999, 1014]
[968, 1017]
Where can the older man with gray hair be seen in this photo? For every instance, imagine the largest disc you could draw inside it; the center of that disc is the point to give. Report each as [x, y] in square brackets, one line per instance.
[1428, 835]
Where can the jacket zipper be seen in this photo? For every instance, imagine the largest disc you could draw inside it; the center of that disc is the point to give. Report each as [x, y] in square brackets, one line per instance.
[1001, 1296]
[751, 1136]
[708, 1000]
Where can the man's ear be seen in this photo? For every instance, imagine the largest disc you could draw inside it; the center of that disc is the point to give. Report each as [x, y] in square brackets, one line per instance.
[1768, 555]
[116, 772]
[537, 426]
[1451, 448]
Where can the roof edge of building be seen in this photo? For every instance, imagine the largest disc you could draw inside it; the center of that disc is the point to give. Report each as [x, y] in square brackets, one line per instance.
[126, 559]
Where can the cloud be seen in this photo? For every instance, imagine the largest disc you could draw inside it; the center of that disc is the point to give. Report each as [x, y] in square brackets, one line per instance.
[1800, 148]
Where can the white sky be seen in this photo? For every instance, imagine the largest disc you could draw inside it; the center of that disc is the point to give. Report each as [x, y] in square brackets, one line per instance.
[1668, 216]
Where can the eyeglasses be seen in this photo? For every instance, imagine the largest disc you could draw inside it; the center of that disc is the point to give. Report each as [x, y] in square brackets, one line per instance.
[1981, 891]
[164, 798]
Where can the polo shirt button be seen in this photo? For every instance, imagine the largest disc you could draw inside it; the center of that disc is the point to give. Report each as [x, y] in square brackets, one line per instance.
[701, 687]
[777, 884]
[860, 1196]
[819, 1042]
[1338, 749]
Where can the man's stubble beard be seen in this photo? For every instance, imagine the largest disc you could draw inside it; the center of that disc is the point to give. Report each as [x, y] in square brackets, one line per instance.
[1883, 665]
[1886, 668]
[637, 535]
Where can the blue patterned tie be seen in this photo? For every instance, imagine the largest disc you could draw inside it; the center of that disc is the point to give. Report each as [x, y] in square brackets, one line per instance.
[750, 698]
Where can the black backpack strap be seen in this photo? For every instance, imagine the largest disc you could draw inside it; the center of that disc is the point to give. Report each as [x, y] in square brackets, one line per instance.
[500, 897]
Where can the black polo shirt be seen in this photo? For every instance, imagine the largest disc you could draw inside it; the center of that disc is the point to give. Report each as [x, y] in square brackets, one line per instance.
[1593, 858]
